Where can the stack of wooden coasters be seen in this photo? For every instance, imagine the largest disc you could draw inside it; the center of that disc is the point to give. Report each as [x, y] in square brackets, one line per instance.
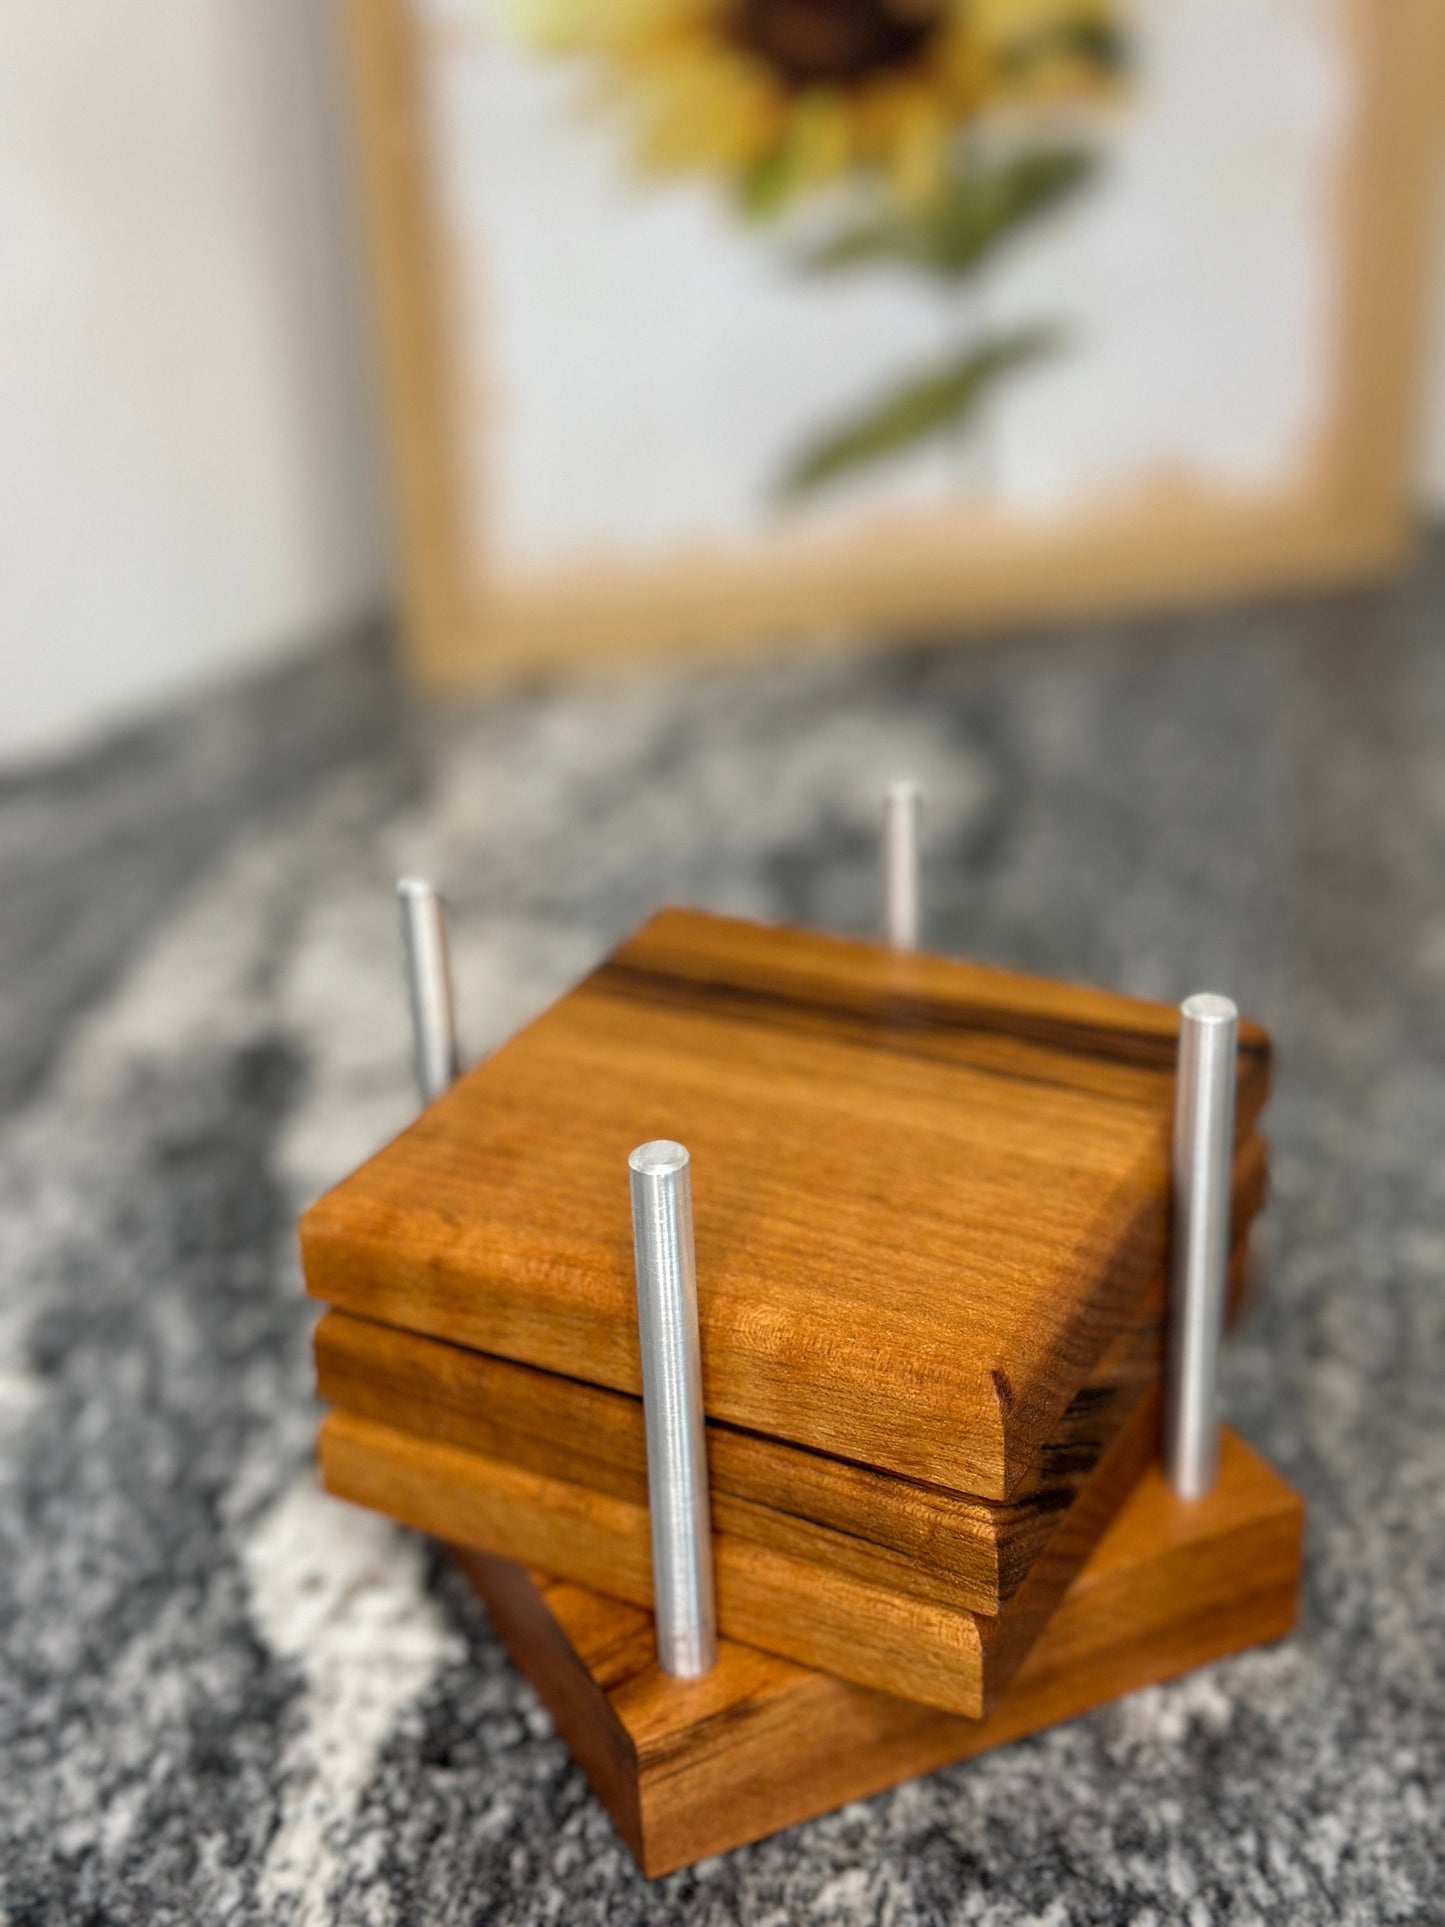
[924, 1513]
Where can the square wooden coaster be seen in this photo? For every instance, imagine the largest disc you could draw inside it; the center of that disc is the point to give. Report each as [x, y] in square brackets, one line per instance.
[927, 1194]
[899, 1534]
[443, 1440]
[925, 1648]
[693, 1768]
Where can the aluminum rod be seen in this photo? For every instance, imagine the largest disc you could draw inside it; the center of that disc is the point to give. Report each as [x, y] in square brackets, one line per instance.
[677, 1484]
[1202, 1170]
[901, 810]
[429, 986]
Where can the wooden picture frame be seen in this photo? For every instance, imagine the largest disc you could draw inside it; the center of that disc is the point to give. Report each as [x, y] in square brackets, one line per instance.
[1350, 520]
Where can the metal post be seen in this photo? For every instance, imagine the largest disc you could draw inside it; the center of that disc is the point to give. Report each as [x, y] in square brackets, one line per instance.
[901, 808]
[677, 1487]
[429, 986]
[1203, 1159]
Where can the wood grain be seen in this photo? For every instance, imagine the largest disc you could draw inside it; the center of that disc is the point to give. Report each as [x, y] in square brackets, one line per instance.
[410, 311]
[693, 1768]
[928, 1649]
[899, 1533]
[927, 1194]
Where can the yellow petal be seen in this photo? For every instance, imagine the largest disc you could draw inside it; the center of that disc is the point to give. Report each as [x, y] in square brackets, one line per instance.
[819, 137]
[719, 113]
[920, 156]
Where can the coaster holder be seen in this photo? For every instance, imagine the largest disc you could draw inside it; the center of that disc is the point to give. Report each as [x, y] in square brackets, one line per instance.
[696, 1745]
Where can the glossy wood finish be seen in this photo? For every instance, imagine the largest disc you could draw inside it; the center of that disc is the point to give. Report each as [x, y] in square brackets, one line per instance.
[928, 1195]
[693, 1768]
[883, 1635]
[898, 1533]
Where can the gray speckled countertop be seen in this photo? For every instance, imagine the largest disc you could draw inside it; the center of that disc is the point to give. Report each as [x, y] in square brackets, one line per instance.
[225, 1698]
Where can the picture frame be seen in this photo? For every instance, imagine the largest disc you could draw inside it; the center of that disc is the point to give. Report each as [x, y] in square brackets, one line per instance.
[465, 621]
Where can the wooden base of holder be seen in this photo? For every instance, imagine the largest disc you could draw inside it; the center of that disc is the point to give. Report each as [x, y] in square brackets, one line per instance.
[693, 1768]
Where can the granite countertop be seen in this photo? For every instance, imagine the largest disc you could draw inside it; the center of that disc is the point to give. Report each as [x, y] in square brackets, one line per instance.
[227, 1698]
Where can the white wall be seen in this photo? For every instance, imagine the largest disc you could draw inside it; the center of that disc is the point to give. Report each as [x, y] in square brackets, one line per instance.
[187, 476]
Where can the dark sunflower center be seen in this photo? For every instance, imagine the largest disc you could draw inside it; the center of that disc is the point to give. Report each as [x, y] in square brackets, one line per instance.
[814, 42]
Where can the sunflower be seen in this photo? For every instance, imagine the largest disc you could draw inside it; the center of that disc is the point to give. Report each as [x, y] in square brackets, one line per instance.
[786, 95]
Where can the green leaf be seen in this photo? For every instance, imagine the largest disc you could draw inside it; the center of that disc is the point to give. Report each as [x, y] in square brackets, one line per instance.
[1105, 46]
[930, 404]
[981, 205]
[764, 189]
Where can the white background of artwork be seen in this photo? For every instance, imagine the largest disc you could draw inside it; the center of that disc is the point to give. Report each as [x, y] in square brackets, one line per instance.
[640, 363]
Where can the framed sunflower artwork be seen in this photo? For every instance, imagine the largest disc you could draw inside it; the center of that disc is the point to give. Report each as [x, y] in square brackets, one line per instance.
[709, 323]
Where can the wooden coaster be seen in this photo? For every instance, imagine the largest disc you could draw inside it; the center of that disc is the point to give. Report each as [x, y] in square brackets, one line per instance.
[693, 1768]
[897, 1533]
[928, 1195]
[891, 1611]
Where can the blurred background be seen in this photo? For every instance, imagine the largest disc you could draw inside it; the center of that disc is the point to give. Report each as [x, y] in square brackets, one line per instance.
[370, 376]
[191, 475]
[191, 464]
